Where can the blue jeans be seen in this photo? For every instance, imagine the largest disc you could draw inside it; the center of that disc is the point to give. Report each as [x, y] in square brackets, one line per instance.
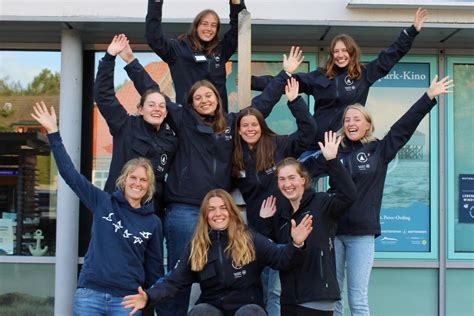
[354, 254]
[179, 225]
[272, 288]
[94, 303]
[205, 309]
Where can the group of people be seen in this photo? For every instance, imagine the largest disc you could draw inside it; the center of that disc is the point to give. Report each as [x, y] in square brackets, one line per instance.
[180, 159]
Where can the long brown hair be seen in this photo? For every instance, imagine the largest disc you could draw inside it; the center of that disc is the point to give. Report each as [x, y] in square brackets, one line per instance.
[240, 248]
[369, 137]
[208, 48]
[129, 167]
[354, 68]
[220, 124]
[264, 148]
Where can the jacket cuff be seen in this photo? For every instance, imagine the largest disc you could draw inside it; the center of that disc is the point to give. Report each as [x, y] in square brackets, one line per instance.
[296, 100]
[54, 137]
[411, 31]
[108, 57]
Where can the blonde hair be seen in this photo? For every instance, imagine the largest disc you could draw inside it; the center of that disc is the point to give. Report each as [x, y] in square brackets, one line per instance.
[129, 167]
[369, 137]
[240, 247]
[300, 169]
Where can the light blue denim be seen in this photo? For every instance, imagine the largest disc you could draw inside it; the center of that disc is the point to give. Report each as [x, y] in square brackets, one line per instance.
[88, 302]
[354, 259]
[179, 225]
[273, 293]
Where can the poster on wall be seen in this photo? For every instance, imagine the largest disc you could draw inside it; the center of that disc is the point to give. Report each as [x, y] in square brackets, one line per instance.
[466, 198]
[6, 236]
[405, 213]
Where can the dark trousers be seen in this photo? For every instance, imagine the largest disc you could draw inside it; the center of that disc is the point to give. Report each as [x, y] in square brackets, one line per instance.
[297, 310]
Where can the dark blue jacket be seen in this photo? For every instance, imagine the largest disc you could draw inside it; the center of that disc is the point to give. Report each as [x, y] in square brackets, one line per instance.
[125, 248]
[204, 158]
[185, 68]
[367, 165]
[315, 278]
[257, 186]
[224, 285]
[332, 96]
[132, 136]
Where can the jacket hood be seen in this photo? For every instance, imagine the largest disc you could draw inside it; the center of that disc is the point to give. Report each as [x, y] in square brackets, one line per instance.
[145, 209]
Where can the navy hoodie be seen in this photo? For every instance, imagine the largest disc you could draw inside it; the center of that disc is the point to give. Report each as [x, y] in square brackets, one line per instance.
[332, 96]
[125, 250]
[186, 64]
[204, 158]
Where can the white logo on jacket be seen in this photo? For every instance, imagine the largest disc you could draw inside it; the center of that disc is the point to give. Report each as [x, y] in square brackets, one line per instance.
[362, 157]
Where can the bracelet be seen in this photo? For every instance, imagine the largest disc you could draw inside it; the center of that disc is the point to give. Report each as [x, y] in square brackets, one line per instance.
[298, 246]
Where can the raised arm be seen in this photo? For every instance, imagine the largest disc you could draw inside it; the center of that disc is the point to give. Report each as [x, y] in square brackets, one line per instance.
[305, 135]
[109, 106]
[87, 193]
[230, 39]
[156, 39]
[388, 57]
[401, 132]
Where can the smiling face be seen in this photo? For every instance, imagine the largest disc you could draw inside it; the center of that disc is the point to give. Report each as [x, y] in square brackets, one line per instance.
[136, 186]
[356, 125]
[154, 109]
[218, 215]
[291, 183]
[341, 55]
[205, 101]
[207, 27]
[250, 130]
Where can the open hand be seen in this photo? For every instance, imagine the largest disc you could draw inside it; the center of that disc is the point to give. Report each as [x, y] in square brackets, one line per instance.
[420, 18]
[331, 145]
[439, 87]
[300, 232]
[126, 53]
[292, 88]
[294, 59]
[45, 118]
[117, 45]
[137, 301]
[268, 208]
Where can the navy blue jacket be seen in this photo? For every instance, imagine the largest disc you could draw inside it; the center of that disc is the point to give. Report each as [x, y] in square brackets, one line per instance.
[367, 165]
[224, 285]
[185, 68]
[132, 136]
[315, 278]
[332, 96]
[257, 186]
[204, 158]
[125, 248]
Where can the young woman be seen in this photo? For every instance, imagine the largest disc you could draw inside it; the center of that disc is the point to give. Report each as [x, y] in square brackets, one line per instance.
[197, 55]
[204, 158]
[145, 135]
[345, 80]
[311, 288]
[226, 259]
[358, 228]
[257, 150]
[125, 248]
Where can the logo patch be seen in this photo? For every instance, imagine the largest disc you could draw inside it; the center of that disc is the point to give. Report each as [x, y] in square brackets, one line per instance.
[348, 81]
[164, 159]
[362, 157]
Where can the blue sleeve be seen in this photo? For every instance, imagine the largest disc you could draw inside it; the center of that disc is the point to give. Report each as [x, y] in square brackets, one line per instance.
[104, 93]
[179, 278]
[277, 256]
[230, 39]
[154, 256]
[305, 136]
[388, 57]
[270, 95]
[343, 188]
[156, 39]
[258, 83]
[401, 132]
[87, 193]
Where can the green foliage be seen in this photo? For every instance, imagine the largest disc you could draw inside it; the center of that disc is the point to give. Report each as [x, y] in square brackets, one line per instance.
[45, 83]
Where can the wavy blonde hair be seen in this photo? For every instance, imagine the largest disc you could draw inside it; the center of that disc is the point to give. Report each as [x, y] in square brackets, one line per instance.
[369, 137]
[240, 247]
[129, 167]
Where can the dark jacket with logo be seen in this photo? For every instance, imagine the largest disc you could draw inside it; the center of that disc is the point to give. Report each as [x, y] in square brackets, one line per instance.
[224, 285]
[132, 136]
[315, 278]
[257, 186]
[332, 96]
[204, 158]
[187, 65]
[367, 165]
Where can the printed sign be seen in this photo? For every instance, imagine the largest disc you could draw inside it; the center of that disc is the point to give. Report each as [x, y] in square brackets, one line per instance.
[466, 198]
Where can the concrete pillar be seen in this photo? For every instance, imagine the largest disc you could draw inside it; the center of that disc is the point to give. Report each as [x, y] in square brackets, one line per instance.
[245, 59]
[67, 221]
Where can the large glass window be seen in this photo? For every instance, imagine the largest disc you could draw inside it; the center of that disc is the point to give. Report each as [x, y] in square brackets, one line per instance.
[409, 206]
[28, 177]
[460, 116]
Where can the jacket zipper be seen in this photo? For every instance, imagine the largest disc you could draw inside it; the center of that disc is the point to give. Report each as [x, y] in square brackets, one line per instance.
[321, 270]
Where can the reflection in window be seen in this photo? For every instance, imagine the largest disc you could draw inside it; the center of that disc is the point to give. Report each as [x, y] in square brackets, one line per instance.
[27, 174]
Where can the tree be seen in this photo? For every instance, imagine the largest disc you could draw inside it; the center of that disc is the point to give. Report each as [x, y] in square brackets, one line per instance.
[45, 83]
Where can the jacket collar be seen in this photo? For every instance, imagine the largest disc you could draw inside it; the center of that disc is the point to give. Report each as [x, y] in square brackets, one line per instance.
[145, 209]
